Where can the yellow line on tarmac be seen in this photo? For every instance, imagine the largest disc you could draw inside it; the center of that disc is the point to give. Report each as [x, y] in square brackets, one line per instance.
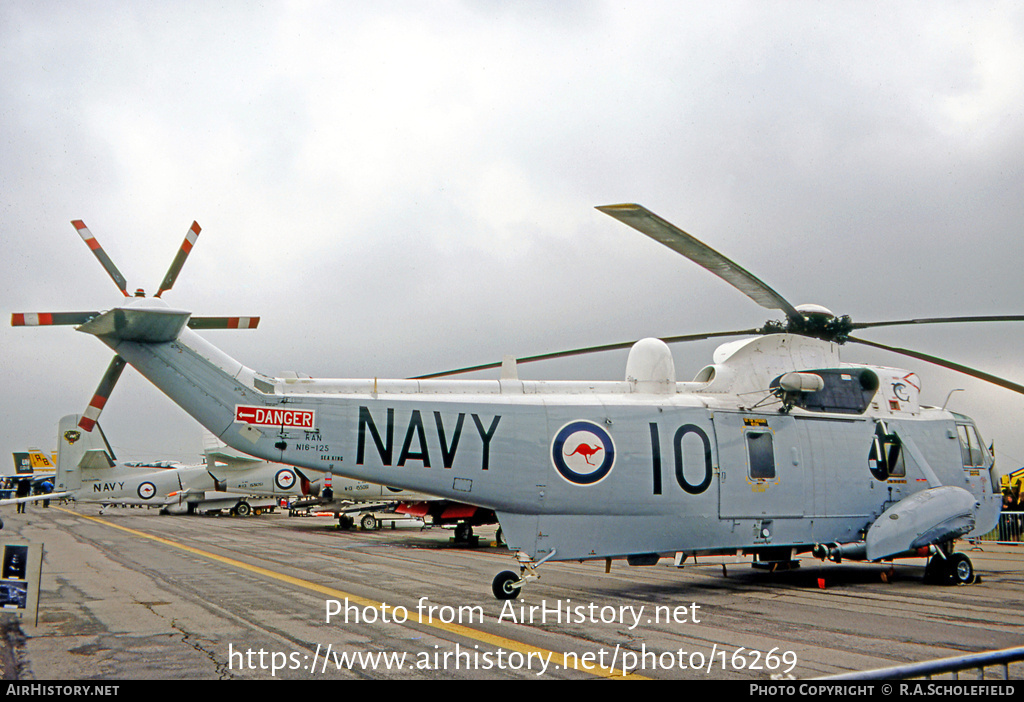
[568, 661]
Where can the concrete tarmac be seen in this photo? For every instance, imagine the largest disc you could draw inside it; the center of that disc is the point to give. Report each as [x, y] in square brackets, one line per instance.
[135, 595]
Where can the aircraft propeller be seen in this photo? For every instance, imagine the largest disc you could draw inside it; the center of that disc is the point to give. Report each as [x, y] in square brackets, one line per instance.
[96, 319]
[805, 320]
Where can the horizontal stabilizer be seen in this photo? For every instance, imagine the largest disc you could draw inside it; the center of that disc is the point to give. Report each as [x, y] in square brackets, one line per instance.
[145, 324]
[95, 459]
[230, 461]
[217, 452]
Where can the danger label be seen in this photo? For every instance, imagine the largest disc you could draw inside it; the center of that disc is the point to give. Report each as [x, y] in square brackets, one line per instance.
[275, 417]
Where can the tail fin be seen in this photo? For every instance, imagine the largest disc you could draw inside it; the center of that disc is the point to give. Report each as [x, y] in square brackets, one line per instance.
[22, 465]
[32, 462]
[77, 449]
[39, 460]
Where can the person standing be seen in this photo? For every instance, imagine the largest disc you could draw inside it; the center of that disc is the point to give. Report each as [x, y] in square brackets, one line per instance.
[24, 489]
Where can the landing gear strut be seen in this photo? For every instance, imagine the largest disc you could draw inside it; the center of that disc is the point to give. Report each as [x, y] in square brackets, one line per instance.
[507, 585]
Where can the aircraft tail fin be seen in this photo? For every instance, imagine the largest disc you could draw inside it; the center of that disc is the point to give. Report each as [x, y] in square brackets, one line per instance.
[78, 450]
[39, 460]
[32, 462]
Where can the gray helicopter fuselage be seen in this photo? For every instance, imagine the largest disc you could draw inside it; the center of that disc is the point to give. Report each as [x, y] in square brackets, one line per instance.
[604, 469]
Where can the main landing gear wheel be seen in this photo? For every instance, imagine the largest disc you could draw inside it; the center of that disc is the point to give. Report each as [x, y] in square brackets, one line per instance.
[961, 570]
[954, 569]
[368, 522]
[503, 586]
[242, 509]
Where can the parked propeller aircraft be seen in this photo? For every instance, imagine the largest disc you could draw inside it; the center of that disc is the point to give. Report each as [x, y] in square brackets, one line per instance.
[777, 448]
[87, 471]
[349, 499]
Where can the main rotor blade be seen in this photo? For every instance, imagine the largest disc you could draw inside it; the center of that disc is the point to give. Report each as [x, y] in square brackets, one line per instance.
[981, 375]
[589, 350]
[179, 258]
[43, 319]
[99, 398]
[223, 322]
[101, 255]
[940, 320]
[646, 222]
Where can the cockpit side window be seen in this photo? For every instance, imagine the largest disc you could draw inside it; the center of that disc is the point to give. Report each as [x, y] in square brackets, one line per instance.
[965, 444]
[972, 450]
[978, 451]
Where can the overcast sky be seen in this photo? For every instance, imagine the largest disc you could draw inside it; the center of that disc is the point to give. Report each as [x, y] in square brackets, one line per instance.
[403, 187]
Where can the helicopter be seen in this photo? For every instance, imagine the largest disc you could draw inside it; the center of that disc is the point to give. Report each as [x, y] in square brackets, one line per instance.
[777, 448]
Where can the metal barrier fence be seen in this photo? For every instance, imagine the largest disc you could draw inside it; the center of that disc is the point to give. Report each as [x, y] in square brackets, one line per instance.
[997, 663]
[991, 665]
[1009, 531]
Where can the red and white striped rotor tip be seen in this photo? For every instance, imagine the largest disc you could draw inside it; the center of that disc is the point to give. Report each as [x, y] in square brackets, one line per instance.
[92, 413]
[179, 259]
[102, 394]
[45, 319]
[101, 255]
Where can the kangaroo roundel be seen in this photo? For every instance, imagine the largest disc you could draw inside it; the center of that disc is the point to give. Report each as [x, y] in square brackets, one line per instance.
[285, 479]
[583, 452]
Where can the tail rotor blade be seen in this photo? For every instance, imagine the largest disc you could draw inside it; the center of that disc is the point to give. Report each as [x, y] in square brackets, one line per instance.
[179, 258]
[101, 255]
[44, 319]
[99, 399]
[223, 322]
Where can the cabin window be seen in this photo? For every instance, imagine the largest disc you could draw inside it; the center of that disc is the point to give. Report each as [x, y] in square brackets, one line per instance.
[761, 452]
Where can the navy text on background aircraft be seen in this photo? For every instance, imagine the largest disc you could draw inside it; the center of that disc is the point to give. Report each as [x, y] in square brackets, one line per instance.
[89, 472]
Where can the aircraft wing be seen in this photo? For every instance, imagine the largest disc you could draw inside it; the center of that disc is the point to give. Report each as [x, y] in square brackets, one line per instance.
[35, 498]
[230, 462]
